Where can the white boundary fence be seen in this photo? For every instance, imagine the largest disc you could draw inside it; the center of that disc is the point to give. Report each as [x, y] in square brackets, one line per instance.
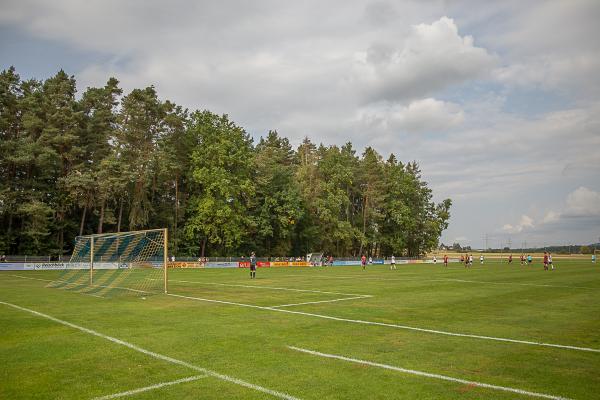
[41, 266]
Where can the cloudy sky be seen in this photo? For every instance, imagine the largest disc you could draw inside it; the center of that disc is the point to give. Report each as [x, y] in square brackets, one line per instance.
[499, 102]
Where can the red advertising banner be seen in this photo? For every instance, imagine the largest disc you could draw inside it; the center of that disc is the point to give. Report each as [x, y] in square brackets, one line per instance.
[260, 264]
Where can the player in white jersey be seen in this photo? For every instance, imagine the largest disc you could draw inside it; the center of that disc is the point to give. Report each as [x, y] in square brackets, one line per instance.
[393, 263]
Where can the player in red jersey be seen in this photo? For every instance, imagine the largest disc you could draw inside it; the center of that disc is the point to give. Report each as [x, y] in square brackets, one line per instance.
[545, 261]
[445, 260]
[363, 261]
[510, 259]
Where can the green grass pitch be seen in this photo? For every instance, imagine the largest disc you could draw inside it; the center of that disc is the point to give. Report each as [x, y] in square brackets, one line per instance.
[370, 334]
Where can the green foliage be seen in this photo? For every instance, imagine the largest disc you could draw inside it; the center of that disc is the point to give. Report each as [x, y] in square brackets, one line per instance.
[114, 162]
[221, 168]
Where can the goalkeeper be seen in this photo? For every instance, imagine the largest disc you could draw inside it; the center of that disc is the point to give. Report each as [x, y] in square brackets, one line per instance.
[252, 266]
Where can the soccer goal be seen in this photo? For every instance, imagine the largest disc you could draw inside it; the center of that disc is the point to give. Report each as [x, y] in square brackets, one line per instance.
[315, 259]
[125, 262]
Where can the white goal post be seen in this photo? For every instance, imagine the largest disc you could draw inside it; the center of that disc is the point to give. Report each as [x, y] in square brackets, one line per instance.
[135, 249]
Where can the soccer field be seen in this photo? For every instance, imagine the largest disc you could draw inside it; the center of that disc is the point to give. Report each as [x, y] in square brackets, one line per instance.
[422, 331]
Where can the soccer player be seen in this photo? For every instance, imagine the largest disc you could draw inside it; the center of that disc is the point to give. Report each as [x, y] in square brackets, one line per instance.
[434, 259]
[466, 261]
[594, 258]
[470, 260]
[529, 259]
[550, 261]
[393, 263]
[522, 259]
[481, 259]
[510, 259]
[363, 261]
[445, 260]
[252, 265]
[545, 261]
[331, 261]
[370, 260]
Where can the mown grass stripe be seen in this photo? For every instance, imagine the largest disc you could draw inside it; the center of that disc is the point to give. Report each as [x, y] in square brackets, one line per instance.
[430, 375]
[158, 356]
[148, 388]
[411, 328]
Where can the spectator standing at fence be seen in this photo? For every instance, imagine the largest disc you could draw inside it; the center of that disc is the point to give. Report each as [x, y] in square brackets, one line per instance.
[3, 258]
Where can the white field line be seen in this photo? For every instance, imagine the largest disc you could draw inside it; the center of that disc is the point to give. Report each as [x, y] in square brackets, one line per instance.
[411, 279]
[158, 356]
[406, 327]
[272, 288]
[515, 283]
[80, 284]
[322, 301]
[430, 375]
[147, 388]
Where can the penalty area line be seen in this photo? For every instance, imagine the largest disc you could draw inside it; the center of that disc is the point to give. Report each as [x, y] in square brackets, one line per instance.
[321, 301]
[158, 356]
[269, 287]
[430, 375]
[406, 327]
[147, 388]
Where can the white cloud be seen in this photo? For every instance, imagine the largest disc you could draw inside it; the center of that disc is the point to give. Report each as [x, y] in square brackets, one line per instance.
[526, 222]
[550, 217]
[432, 57]
[583, 202]
[579, 214]
[551, 72]
[424, 115]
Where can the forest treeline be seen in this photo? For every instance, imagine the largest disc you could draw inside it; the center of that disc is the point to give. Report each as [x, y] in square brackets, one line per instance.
[106, 161]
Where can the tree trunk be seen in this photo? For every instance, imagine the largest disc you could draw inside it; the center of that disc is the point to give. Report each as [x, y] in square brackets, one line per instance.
[364, 223]
[120, 215]
[176, 216]
[82, 220]
[203, 248]
[101, 221]
[61, 218]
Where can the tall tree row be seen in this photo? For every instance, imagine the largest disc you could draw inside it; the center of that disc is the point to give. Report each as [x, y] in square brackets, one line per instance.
[106, 161]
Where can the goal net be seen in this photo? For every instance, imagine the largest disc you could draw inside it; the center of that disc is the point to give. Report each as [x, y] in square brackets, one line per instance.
[315, 259]
[117, 264]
